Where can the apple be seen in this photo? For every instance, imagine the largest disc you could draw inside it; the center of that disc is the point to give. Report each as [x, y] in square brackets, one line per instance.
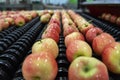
[73, 36]
[103, 15]
[40, 66]
[1, 27]
[46, 44]
[10, 20]
[33, 14]
[92, 33]
[78, 48]
[19, 21]
[68, 28]
[51, 33]
[52, 20]
[4, 24]
[27, 17]
[107, 17]
[45, 18]
[54, 26]
[101, 41]
[87, 68]
[85, 27]
[111, 57]
[51, 12]
[118, 21]
[68, 21]
[113, 19]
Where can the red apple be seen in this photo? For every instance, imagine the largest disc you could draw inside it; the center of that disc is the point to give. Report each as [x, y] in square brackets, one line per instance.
[33, 14]
[19, 21]
[111, 57]
[78, 48]
[113, 19]
[40, 66]
[54, 21]
[4, 24]
[27, 17]
[85, 27]
[87, 68]
[54, 26]
[46, 44]
[51, 33]
[73, 36]
[10, 20]
[92, 33]
[45, 18]
[101, 41]
[68, 28]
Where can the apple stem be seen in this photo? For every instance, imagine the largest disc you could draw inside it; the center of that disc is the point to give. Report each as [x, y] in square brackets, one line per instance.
[86, 69]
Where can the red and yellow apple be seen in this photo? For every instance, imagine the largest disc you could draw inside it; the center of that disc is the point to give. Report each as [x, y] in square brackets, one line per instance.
[54, 26]
[113, 19]
[19, 21]
[85, 27]
[45, 18]
[101, 41]
[39, 66]
[78, 48]
[68, 28]
[87, 68]
[46, 44]
[73, 36]
[118, 21]
[92, 33]
[51, 33]
[111, 57]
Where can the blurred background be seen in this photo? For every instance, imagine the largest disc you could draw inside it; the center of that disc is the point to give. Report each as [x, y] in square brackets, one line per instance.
[37, 4]
[95, 7]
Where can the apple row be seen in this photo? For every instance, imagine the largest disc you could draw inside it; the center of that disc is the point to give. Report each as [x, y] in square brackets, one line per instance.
[41, 63]
[74, 40]
[18, 18]
[101, 42]
[111, 18]
[68, 24]
[79, 54]
[9, 39]
[14, 55]
[106, 27]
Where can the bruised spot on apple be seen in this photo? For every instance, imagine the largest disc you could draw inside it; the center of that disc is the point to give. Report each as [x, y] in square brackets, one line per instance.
[87, 68]
[111, 57]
